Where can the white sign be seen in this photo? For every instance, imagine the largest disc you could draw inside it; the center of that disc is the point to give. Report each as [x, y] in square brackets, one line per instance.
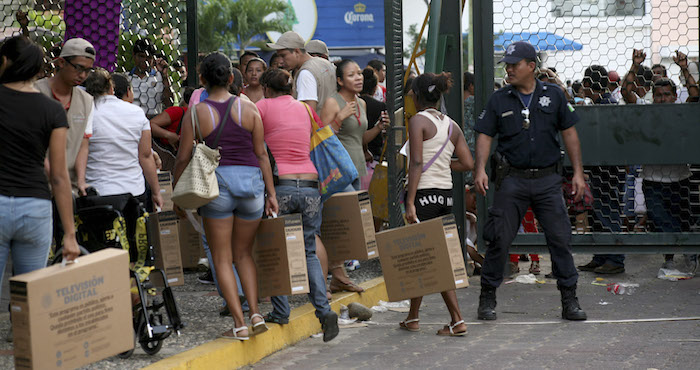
[302, 17]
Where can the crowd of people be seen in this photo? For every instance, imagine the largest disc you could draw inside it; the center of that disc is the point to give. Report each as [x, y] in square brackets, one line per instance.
[113, 131]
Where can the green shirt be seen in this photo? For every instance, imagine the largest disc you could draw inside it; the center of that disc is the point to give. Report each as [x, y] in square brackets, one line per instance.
[350, 134]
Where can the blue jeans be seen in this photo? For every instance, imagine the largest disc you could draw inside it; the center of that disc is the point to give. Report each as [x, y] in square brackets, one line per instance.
[213, 273]
[306, 201]
[26, 228]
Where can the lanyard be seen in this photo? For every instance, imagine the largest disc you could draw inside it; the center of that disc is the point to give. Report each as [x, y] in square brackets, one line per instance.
[526, 112]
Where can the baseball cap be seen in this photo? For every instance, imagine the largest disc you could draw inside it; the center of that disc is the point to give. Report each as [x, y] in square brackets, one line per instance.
[518, 51]
[144, 46]
[613, 76]
[317, 47]
[78, 47]
[288, 40]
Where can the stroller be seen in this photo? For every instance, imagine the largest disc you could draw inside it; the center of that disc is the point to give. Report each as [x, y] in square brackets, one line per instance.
[120, 221]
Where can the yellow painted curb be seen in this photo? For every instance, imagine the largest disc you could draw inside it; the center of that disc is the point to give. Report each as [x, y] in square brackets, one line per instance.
[231, 354]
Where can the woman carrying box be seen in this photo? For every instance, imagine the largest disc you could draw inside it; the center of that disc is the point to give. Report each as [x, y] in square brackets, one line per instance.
[244, 177]
[433, 138]
[288, 135]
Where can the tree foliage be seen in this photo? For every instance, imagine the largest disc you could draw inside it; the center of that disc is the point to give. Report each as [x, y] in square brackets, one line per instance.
[230, 25]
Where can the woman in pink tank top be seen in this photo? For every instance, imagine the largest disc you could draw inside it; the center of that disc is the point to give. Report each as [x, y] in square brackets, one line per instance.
[433, 138]
[244, 176]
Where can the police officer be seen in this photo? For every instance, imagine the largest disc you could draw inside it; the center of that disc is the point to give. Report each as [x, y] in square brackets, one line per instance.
[527, 115]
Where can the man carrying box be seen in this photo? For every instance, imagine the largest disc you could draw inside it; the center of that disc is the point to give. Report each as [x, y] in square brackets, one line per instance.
[527, 115]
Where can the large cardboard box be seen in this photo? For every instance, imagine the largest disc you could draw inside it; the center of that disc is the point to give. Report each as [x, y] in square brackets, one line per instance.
[347, 230]
[280, 257]
[64, 317]
[422, 259]
[191, 245]
[166, 190]
[163, 231]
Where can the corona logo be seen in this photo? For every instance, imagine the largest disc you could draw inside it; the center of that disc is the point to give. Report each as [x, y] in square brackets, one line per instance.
[359, 15]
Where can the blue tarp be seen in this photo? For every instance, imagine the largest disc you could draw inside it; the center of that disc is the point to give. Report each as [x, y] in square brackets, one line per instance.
[542, 41]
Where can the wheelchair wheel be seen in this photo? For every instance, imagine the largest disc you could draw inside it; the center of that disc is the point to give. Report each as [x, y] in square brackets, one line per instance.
[150, 346]
[136, 322]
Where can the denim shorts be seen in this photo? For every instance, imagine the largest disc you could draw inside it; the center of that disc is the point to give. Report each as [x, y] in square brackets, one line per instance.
[241, 194]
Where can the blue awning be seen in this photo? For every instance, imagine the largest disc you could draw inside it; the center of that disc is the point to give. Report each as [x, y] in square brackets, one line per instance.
[542, 41]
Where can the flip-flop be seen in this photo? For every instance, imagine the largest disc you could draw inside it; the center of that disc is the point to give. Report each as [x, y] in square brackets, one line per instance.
[451, 328]
[404, 325]
[259, 327]
[235, 334]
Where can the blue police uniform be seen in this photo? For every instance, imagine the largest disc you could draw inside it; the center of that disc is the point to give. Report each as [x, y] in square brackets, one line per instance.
[528, 139]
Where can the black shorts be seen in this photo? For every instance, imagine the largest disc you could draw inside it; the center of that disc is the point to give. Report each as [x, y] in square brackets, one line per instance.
[432, 203]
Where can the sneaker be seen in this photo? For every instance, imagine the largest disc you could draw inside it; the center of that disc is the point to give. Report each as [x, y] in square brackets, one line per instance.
[590, 266]
[609, 269]
[330, 326]
[352, 265]
[206, 278]
[204, 263]
[535, 267]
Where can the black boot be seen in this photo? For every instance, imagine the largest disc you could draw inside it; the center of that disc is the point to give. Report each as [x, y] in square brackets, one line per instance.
[570, 309]
[487, 303]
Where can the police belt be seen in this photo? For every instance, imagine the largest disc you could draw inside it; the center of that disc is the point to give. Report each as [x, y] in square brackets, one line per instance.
[533, 173]
[297, 183]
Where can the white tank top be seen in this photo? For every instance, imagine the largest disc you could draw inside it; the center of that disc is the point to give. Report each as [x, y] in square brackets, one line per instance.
[438, 175]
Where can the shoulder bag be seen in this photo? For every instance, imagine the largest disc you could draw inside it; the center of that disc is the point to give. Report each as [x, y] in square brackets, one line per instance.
[335, 167]
[197, 185]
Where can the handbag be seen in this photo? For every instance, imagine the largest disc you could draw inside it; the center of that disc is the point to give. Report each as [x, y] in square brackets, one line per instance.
[197, 185]
[335, 167]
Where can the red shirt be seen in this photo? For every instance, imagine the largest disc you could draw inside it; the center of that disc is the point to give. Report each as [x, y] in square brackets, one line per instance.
[175, 114]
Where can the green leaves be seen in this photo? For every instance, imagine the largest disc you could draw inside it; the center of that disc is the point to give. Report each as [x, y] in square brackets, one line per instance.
[226, 24]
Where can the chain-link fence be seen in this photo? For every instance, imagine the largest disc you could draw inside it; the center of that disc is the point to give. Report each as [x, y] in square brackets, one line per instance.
[614, 52]
[113, 27]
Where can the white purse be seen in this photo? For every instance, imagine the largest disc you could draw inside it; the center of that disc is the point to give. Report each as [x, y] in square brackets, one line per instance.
[197, 185]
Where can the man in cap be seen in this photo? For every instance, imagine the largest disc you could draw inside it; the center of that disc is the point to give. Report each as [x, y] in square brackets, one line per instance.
[527, 115]
[73, 65]
[149, 79]
[314, 77]
[317, 48]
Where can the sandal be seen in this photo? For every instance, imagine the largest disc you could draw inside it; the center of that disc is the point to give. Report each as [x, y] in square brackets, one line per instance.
[259, 327]
[235, 332]
[451, 329]
[404, 325]
[339, 286]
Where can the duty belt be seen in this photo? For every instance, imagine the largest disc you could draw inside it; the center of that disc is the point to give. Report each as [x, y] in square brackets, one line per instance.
[298, 183]
[532, 173]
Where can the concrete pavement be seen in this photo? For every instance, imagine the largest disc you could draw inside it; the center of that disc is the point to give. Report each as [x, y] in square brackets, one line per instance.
[529, 332]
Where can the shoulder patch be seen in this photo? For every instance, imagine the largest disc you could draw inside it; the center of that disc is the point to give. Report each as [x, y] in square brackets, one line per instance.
[483, 113]
[571, 107]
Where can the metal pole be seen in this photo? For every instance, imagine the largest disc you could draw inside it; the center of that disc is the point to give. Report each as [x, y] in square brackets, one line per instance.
[431, 56]
[192, 47]
[482, 18]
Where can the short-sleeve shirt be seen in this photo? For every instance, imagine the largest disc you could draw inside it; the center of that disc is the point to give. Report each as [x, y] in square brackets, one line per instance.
[113, 165]
[288, 133]
[24, 141]
[148, 92]
[175, 114]
[534, 147]
[306, 86]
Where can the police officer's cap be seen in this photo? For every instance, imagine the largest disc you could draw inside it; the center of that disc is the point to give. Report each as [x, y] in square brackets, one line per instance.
[518, 51]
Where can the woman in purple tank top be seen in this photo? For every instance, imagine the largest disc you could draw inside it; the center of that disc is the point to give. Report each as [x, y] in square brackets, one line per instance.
[244, 176]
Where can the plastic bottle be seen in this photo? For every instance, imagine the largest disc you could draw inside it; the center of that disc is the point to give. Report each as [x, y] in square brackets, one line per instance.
[623, 288]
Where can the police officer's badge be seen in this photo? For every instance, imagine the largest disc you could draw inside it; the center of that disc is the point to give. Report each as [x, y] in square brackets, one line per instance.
[544, 101]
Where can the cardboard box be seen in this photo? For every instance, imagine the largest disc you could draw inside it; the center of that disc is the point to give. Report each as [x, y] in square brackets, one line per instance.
[165, 182]
[191, 246]
[347, 230]
[280, 257]
[65, 317]
[422, 259]
[163, 232]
